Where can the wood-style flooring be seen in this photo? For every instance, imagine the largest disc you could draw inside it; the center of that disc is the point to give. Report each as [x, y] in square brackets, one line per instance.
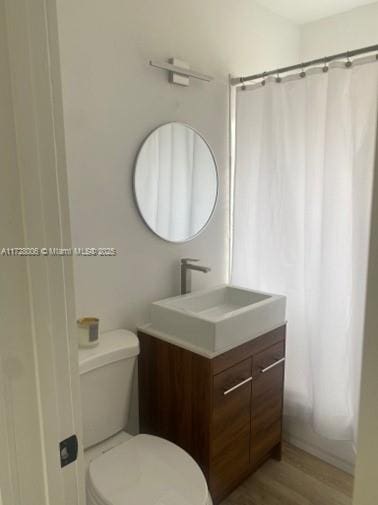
[299, 479]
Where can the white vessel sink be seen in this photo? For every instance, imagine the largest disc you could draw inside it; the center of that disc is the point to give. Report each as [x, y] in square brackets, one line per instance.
[219, 318]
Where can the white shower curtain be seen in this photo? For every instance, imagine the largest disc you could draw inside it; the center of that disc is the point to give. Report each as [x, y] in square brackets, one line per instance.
[302, 192]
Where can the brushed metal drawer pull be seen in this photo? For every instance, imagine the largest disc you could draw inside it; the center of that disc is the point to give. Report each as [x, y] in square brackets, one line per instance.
[227, 391]
[263, 370]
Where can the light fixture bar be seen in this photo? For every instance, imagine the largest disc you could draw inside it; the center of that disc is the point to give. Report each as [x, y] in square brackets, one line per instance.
[181, 71]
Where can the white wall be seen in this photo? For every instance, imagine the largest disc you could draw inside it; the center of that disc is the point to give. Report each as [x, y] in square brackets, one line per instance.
[366, 486]
[113, 98]
[351, 30]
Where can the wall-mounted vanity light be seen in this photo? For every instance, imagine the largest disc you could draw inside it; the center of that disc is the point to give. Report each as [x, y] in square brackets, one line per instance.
[179, 71]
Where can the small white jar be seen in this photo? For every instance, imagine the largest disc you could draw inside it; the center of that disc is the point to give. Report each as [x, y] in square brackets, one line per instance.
[88, 331]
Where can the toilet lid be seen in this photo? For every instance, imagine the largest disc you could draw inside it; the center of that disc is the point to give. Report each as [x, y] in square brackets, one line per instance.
[147, 470]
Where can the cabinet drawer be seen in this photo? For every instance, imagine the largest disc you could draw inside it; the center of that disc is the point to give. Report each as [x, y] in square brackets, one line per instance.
[231, 405]
[264, 441]
[230, 466]
[266, 360]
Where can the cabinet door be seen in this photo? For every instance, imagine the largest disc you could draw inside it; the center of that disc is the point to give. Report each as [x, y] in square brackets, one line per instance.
[267, 401]
[231, 425]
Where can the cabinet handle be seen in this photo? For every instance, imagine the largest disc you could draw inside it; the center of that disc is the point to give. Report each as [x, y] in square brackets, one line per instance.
[263, 370]
[227, 391]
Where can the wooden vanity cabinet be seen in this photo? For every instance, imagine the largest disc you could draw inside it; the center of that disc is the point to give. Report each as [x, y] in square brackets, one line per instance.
[225, 411]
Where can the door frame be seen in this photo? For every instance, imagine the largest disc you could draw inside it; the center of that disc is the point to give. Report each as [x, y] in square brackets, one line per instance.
[47, 354]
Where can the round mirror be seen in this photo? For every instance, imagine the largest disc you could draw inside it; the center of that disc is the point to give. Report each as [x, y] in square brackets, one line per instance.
[175, 182]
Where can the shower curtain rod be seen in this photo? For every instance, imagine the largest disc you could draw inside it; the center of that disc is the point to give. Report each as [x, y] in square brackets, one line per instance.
[347, 54]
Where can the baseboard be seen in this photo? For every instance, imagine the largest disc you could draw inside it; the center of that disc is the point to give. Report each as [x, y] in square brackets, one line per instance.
[315, 451]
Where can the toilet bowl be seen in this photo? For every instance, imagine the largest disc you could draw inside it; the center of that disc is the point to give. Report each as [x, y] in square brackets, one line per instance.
[145, 470]
[122, 469]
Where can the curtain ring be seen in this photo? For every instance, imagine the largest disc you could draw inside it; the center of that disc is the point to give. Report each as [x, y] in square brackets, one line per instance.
[278, 78]
[242, 83]
[325, 66]
[263, 82]
[348, 63]
[303, 73]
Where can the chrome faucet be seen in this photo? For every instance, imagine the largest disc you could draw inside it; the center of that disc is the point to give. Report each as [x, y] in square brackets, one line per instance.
[186, 279]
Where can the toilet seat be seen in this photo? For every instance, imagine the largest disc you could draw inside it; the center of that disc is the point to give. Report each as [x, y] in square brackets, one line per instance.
[146, 470]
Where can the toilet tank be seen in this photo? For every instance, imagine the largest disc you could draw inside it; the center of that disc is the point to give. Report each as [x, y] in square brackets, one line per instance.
[106, 376]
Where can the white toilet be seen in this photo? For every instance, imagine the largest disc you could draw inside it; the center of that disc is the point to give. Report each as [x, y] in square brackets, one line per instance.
[123, 469]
